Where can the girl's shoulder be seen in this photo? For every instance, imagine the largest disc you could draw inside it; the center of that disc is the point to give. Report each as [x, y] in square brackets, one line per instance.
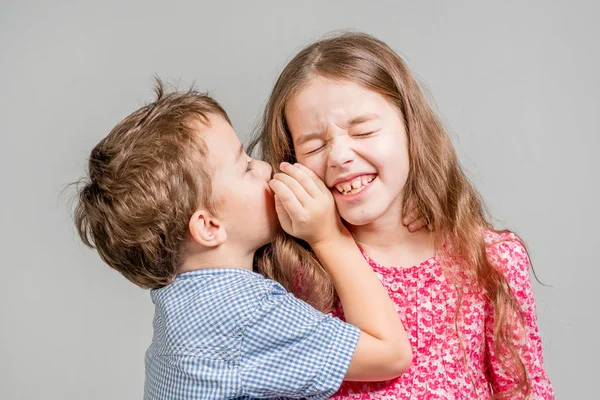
[507, 252]
[493, 237]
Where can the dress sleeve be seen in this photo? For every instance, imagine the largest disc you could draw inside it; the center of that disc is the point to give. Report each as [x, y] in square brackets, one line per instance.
[510, 258]
[291, 350]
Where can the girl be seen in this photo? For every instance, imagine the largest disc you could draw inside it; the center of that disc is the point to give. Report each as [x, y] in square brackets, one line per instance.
[348, 108]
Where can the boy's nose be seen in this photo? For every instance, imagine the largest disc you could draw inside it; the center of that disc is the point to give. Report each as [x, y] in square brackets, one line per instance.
[267, 170]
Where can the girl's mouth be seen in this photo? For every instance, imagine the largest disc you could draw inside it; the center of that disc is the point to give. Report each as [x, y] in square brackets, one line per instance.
[355, 185]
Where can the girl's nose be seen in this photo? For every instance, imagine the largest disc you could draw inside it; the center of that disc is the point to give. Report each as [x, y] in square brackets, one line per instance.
[340, 153]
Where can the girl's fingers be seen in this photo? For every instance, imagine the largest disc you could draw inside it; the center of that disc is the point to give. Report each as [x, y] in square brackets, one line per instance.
[284, 218]
[317, 181]
[297, 189]
[287, 198]
[300, 175]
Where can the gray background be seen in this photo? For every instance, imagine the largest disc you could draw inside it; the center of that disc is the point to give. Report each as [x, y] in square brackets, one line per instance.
[516, 83]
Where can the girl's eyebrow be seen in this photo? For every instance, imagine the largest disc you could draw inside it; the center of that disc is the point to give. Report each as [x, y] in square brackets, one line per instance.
[308, 137]
[354, 121]
[362, 118]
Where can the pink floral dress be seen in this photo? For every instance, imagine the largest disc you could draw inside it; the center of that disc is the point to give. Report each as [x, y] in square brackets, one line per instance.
[426, 301]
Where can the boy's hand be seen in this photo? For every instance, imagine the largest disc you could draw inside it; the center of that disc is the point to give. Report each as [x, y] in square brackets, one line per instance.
[413, 220]
[304, 205]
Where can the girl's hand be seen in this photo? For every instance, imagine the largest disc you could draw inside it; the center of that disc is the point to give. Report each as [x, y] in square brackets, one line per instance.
[305, 206]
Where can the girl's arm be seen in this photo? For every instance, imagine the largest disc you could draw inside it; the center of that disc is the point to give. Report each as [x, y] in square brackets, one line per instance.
[383, 351]
[510, 257]
[306, 210]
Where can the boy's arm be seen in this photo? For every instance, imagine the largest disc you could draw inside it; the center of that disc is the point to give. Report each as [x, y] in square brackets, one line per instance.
[291, 350]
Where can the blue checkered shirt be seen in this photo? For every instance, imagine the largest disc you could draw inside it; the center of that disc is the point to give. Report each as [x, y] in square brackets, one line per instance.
[232, 334]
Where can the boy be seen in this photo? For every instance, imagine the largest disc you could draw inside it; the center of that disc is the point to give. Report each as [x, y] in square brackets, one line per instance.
[175, 205]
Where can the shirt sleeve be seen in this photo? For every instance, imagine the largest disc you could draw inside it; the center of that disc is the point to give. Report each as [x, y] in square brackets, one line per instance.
[291, 350]
[510, 258]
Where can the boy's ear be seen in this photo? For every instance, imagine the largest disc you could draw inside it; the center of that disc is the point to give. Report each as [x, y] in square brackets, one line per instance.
[206, 230]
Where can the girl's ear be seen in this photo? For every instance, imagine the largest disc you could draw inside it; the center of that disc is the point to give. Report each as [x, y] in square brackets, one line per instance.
[206, 230]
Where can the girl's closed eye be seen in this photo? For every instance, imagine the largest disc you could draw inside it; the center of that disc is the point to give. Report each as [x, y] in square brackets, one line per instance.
[365, 134]
[315, 150]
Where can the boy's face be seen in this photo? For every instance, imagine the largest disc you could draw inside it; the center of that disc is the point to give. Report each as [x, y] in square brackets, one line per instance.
[245, 206]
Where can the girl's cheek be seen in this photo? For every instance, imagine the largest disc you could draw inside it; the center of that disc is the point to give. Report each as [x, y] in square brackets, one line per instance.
[315, 163]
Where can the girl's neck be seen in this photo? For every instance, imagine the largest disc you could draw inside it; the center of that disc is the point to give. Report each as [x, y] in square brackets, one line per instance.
[390, 243]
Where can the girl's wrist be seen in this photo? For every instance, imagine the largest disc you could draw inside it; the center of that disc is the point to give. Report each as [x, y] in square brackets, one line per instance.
[340, 241]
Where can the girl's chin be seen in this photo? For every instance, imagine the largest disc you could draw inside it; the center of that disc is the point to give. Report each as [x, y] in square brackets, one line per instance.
[360, 216]
[357, 220]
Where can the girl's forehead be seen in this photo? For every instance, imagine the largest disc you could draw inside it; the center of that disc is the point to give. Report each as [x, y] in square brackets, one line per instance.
[315, 111]
[323, 99]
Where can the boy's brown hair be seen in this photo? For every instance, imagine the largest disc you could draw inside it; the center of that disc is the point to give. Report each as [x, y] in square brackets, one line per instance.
[145, 180]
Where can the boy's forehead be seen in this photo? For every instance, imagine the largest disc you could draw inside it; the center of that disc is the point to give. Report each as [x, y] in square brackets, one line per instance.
[221, 140]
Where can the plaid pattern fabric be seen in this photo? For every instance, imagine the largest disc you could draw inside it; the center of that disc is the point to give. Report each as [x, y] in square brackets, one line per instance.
[232, 334]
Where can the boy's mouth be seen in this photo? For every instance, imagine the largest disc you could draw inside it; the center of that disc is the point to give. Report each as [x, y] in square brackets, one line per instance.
[355, 184]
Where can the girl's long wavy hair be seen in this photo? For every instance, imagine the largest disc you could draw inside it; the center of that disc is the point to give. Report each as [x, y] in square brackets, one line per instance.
[436, 184]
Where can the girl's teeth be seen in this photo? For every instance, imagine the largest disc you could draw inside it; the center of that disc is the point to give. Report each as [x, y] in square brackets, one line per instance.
[355, 186]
